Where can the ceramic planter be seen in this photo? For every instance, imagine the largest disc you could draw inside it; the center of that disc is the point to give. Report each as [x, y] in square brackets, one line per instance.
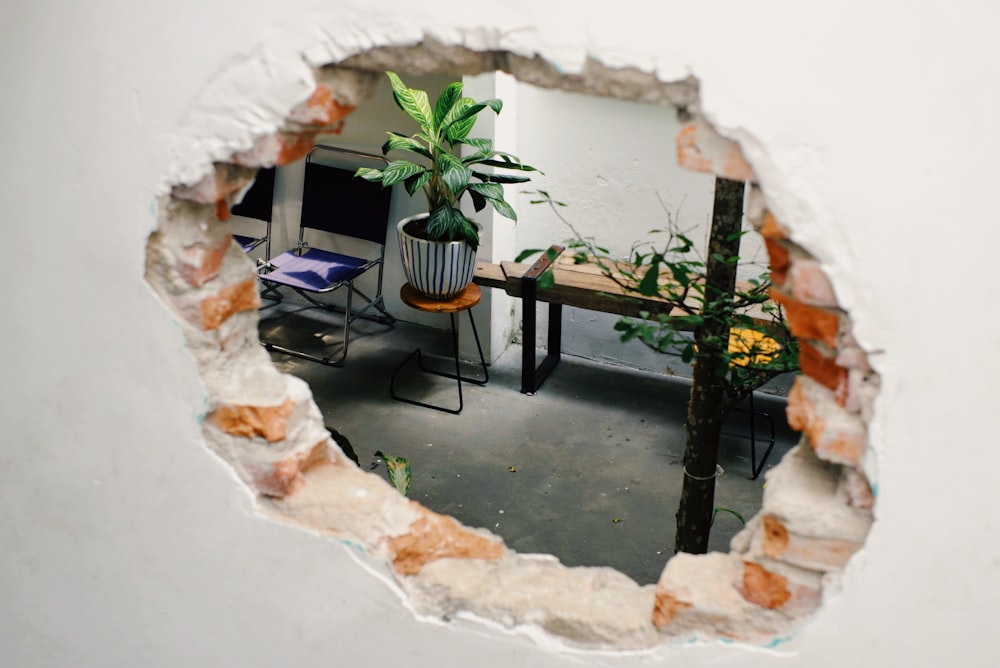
[437, 269]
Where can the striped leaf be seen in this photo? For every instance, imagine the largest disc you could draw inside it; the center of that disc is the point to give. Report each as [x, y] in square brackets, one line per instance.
[500, 178]
[446, 100]
[414, 102]
[454, 174]
[417, 181]
[369, 174]
[488, 190]
[458, 124]
[398, 142]
[399, 170]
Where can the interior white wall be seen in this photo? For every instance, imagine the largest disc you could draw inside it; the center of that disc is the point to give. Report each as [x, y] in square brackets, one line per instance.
[613, 164]
[127, 543]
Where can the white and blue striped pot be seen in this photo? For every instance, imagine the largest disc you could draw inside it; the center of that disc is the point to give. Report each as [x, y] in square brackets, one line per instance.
[436, 269]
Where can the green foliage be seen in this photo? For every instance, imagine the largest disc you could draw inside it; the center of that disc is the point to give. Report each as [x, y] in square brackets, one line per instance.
[443, 174]
[758, 346]
[398, 470]
[723, 509]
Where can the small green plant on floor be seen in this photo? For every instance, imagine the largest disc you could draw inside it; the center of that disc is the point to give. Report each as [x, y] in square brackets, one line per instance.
[398, 470]
[722, 509]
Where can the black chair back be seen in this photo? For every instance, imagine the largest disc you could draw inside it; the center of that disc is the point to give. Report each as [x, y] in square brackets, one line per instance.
[257, 202]
[335, 201]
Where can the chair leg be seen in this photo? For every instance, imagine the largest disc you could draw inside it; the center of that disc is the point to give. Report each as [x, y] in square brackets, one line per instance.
[755, 467]
[457, 376]
[349, 318]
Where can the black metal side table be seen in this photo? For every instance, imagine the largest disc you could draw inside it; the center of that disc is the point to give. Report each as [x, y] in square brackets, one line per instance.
[464, 301]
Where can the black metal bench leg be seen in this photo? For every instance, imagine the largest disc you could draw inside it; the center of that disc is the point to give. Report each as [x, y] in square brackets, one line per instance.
[533, 376]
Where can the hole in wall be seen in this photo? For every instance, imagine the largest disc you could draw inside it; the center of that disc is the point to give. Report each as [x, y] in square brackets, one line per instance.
[268, 427]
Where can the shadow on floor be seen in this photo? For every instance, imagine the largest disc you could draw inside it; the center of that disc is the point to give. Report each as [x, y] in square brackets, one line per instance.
[589, 469]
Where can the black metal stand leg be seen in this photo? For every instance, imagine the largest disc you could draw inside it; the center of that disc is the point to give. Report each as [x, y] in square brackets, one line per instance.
[457, 376]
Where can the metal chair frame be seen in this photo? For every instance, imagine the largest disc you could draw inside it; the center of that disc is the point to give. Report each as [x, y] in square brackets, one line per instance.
[273, 278]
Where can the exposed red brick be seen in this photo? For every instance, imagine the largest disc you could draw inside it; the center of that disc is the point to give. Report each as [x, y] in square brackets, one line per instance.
[822, 553]
[218, 308]
[199, 271]
[808, 322]
[857, 489]
[853, 357]
[665, 607]
[821, 367]
[764, 588]
[280, 148]
[688, 155]
[285, 477]
[432, 537]
[320, 109]
[775, 538]
[295, 147]
[224, 180]
[700, 149]
[809, 284]
[779, 260]
[772, 229]
[222, 210]
[843, 442]
[269, 422]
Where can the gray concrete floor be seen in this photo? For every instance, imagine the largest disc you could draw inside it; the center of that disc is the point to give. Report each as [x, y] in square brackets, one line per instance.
[588, 469]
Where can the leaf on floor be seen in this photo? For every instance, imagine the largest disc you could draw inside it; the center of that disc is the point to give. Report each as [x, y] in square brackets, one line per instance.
[398, 469]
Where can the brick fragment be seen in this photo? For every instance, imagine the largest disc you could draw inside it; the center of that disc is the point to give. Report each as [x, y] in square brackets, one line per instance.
[775, 536]
[763, 588]
[834, 434]
[855, 486]
[808, 322]
[772, 229]
[700, 148]
[267, 422]
[822, 553]
[779, 261]
[822, 367]
[197, 266]
[700, 595]
[432, 537]
[320, 109]
[284, 477]
[810, 285]
[279, 148]
[666, 608]
[224, 180]
[219, 307]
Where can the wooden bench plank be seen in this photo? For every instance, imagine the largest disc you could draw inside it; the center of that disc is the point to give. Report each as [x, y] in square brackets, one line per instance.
[585, 286]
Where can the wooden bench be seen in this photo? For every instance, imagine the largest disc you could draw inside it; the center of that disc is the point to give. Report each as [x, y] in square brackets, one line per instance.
[584, 286]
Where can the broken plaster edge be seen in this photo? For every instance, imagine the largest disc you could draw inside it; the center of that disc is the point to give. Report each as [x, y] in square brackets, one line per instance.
[222, 147]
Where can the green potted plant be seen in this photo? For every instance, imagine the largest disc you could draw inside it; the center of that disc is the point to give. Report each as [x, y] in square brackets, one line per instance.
[438, 247]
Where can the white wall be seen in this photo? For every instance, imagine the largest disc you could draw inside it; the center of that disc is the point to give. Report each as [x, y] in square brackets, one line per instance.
[126, 543]
[612, 162]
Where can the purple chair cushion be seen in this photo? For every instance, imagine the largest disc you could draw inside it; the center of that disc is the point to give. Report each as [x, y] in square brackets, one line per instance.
[247, 243]
[315, 270]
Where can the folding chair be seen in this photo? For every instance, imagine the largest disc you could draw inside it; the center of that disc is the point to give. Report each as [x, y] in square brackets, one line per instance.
[335, 202]
[257, 203]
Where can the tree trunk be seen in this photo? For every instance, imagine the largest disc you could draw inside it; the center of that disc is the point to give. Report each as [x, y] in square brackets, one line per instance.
[708, 382]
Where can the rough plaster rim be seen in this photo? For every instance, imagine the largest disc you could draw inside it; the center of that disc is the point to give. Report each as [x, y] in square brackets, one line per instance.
[197, 163]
